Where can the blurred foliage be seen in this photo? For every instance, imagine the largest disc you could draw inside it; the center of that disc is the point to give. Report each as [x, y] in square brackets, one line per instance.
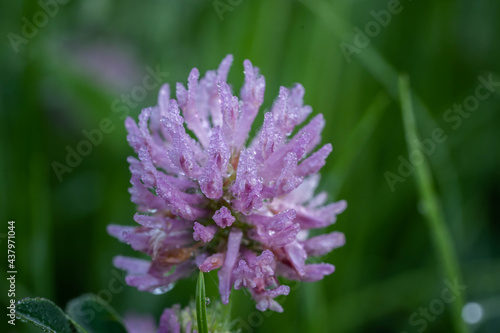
[67, 77]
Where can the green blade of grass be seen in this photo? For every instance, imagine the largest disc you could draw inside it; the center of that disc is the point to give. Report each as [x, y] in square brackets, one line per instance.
[440, 234]
[361, 300]
[358, 138]
[201, 307]
[382, 71]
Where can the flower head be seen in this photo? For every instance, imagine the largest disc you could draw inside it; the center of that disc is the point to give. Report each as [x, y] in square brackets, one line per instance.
[207, 199]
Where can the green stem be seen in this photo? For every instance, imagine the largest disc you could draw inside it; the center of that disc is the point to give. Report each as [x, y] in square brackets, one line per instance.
[201, 306]
[441, 236]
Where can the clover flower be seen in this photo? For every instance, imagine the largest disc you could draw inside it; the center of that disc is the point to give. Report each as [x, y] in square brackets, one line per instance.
[208, 199]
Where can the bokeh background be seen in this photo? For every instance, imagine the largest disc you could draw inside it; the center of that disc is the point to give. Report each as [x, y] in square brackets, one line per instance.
[66, 77]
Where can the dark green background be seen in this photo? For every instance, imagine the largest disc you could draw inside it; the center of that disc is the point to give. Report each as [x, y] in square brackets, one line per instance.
[65, 79]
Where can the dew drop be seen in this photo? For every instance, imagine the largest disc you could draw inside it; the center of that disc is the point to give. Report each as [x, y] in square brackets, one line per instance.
[271, 232]
[472, 313]
[163, 289]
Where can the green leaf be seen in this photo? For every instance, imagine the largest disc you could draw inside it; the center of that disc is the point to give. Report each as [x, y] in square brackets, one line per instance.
[443, 242]
[201, 307]
[46, 315]
[95, 315]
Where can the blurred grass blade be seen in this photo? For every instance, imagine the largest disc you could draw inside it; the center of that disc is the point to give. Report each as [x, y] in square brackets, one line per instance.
[362, 299]
[201, 306]
[440, 234]
[358, 138]
[45, 315]
[382, 71]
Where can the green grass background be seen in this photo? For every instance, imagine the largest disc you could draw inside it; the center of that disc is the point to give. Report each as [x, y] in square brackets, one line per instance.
[65, 79]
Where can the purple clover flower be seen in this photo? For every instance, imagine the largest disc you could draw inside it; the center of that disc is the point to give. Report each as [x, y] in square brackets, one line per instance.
[218, 202]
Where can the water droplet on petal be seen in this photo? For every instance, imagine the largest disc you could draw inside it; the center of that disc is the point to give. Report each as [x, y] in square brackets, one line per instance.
[163, 289]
